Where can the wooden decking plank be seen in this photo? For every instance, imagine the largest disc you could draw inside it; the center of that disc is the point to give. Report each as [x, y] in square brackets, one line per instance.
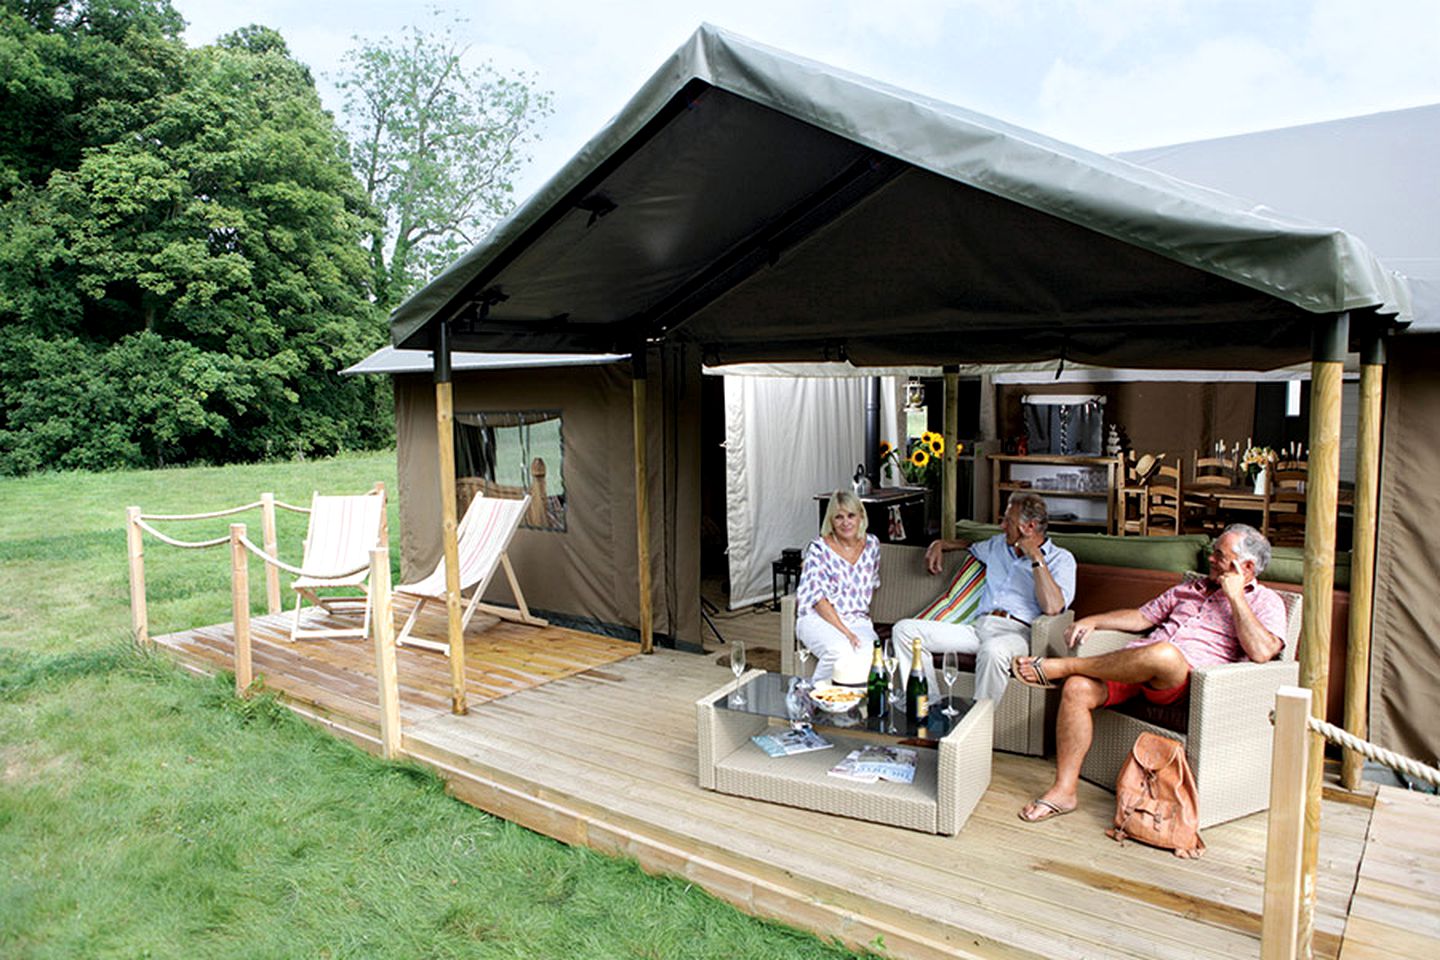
[623, 779]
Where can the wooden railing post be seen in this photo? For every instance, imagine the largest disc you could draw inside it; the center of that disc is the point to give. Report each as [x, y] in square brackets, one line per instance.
[240, 607]
[135, 548]
[385, 671]
[1280, 923]
[272, 550]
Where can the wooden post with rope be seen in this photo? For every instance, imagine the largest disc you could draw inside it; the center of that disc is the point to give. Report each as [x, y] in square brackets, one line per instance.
[385, 670]
[1362, 559]
[240, 608]
[272, 572]
[1284, 838]
[135, 549]
[1322, 494]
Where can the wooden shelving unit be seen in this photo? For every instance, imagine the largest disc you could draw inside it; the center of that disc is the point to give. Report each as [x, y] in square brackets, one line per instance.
[1004, 481]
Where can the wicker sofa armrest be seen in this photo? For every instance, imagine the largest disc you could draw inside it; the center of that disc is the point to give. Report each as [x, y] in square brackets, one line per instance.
[1047, 634]
[788, 661]
[1100, 641]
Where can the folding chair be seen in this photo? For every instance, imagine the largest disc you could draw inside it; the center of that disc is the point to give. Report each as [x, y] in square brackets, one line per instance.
[342, 532]
[482, 537]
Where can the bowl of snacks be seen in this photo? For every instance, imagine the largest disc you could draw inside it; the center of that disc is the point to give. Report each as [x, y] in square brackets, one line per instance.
[833, 698]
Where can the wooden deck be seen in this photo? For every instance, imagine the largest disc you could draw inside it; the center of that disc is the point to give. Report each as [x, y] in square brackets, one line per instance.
[606, 757]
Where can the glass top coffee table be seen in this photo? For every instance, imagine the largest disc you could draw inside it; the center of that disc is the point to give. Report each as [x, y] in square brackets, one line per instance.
[952, 756]
[770, 695]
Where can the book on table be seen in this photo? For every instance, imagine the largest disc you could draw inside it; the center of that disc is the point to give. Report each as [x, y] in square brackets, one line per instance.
[874, 763]
[784, 743]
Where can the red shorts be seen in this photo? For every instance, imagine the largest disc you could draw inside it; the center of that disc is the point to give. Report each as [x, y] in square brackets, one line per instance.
[1116, 692]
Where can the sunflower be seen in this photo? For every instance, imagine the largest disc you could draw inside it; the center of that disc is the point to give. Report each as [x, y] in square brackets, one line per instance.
[885, 449]
[919, 458]
[937, 444]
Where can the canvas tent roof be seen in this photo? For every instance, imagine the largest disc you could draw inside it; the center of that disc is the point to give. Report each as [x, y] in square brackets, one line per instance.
[1373, 175]
[770, 208]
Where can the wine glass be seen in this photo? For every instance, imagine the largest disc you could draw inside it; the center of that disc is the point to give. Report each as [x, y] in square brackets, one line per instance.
[737, 667]
[950, 667]
[803, 652]
[896, 689]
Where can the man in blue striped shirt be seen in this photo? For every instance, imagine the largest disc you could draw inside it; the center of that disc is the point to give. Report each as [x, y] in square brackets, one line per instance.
[1026, 575]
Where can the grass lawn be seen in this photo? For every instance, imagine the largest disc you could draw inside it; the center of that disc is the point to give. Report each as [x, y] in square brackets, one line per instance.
[145, 813]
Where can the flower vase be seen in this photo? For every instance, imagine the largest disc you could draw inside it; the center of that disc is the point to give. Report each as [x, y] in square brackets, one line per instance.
[1262, 482]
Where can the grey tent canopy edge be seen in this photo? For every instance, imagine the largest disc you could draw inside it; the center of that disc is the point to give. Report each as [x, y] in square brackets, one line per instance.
[1316, 269]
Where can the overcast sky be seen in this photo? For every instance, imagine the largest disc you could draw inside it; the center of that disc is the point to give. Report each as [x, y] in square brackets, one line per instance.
[1109, 75]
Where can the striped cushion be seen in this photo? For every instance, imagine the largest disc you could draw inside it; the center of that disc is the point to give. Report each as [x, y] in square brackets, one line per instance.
[959, 602]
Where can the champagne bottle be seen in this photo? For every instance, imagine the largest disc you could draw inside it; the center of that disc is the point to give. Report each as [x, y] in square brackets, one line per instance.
[875, 687]
[917, 689]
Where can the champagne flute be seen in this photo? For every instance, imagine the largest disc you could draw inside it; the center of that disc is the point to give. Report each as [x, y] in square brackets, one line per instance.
[803, 652]
[950, 667]
[897, 693]
[737, 667]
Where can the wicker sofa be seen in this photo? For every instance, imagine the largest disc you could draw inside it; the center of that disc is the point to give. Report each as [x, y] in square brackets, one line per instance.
[905, 587]
[1223, 721]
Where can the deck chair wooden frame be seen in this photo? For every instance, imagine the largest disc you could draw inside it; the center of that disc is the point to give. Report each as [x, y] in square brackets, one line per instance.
[483, 539]
[342, 532]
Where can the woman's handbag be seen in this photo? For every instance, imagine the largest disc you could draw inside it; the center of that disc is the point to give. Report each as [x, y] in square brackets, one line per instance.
[1155, 798]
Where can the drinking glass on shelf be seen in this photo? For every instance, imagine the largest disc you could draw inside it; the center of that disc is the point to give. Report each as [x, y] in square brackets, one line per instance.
[737, 667]
[950, 669]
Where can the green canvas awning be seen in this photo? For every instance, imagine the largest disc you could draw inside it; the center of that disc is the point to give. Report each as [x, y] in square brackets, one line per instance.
[770, 208]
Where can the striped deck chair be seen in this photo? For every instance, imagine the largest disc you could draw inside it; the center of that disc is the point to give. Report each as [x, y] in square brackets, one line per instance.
[482, 537]
[343, 531]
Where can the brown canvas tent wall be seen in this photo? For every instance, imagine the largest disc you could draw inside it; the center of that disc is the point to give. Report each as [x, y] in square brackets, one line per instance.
[588, 571]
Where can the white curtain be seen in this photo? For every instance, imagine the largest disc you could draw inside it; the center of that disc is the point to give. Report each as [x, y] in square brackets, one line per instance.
[787, 439]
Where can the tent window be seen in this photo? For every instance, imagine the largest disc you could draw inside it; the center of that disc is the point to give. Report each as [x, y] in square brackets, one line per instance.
[509, 454]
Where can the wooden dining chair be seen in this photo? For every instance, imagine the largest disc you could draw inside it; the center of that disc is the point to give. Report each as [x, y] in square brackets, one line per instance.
[1130, 494]
[1283, 521]
[1207, 475]
[1165, 502]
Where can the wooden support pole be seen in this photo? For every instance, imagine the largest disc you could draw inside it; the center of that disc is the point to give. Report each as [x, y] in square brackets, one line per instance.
[1322, 493]
[642, 506]
[385, 672]
[1362, 558]
[272, 572]
[1284, 838]
[240, 608]
[135, 549]
[450, 547]
[950, 466]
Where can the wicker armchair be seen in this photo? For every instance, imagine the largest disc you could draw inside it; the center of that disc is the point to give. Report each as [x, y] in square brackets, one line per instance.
[1223, 722]
[905, 587]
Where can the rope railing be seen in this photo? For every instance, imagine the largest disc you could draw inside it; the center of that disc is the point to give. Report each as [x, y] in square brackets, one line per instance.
[200, 516]
[1394, 761]
[275, 561]
[291, 507]
[183, 544]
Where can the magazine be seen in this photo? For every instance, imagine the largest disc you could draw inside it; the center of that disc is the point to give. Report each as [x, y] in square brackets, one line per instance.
[784, 743]
[869, 764]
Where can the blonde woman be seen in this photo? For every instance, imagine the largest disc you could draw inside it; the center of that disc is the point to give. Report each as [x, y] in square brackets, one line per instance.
[837, 581]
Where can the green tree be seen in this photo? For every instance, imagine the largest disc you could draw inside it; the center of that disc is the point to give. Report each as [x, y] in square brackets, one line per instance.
[436, 144]
[188, 289]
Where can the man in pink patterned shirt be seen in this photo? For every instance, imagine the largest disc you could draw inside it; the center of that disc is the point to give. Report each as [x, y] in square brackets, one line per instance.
[1224, 618]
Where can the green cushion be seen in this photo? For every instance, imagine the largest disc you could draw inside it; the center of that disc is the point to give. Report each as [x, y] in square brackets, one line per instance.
[961, 600]
[1287, 565]
[1171, 554]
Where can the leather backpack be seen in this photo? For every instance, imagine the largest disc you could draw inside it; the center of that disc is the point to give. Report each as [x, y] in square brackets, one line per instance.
[1155, 798]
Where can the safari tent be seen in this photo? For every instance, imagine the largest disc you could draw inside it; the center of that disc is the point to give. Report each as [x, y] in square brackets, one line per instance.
[752, 206]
